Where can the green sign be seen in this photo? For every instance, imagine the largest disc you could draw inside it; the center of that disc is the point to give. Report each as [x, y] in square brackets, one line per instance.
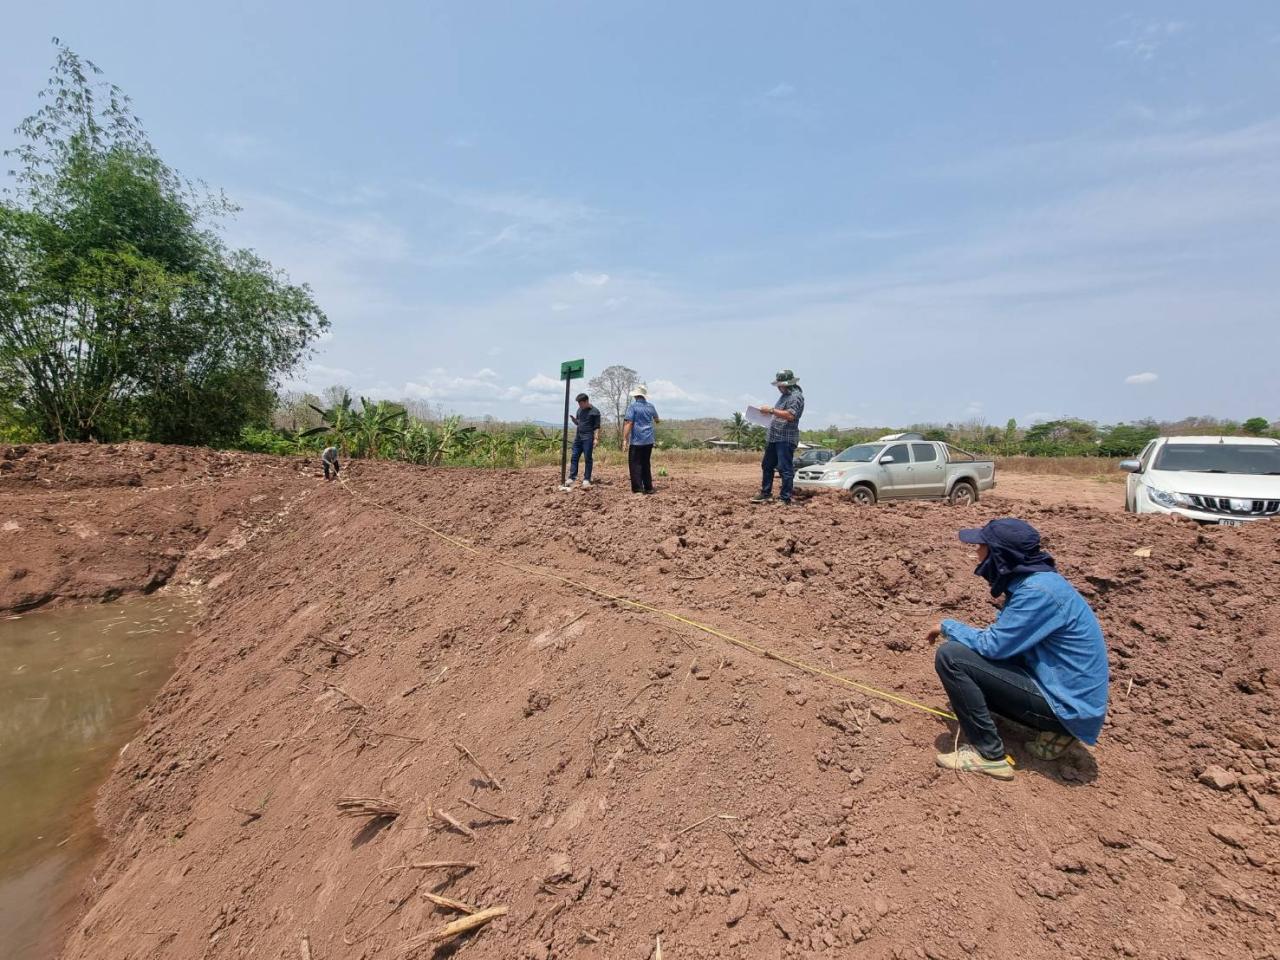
[572, 369]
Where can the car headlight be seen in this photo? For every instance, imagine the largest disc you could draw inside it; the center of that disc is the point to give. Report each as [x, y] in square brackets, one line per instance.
[1167, 498]
[834, 474]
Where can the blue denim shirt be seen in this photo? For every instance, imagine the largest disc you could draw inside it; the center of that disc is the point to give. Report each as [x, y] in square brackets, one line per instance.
[1047, 628]
[641, 414]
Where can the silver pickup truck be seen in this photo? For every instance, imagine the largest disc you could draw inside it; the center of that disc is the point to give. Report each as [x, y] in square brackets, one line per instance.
[897, 469]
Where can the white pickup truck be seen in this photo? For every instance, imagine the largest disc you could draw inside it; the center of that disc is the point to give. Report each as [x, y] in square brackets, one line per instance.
[902, 468]
[1224, 480]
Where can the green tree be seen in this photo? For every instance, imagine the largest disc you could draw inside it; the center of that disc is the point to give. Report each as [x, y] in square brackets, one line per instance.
[737, 429]
[122, 313]
[1256, 426]
[1126, 440]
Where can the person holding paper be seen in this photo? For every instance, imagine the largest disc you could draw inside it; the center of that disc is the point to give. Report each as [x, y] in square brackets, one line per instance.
[782, 439]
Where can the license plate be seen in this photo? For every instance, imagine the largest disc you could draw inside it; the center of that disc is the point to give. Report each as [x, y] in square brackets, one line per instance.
[1231, 523]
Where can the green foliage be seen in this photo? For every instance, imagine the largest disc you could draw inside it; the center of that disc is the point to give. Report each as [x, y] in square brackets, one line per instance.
[1061, 438]
[1256, 426]
[122, 314]
[737, 429]
[1126, 440]
[364, 432]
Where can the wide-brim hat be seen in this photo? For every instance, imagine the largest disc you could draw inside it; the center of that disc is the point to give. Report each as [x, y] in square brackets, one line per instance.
[640, 390]
[785, 378]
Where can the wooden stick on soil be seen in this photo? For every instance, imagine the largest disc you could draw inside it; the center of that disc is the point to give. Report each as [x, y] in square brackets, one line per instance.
[494, 781]
[448, 819]
[305, 949]
[450, 930]
[657, 948]
[644, 744]
[456, 905]
[488, 813]
[442, 865]
[337, 689]
[376, 807]
[693, 826]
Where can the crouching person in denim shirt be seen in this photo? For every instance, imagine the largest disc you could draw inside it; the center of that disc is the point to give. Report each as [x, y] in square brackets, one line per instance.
[1042, 664]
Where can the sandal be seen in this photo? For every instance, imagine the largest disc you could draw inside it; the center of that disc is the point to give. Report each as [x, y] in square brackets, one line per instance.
[1050, 746]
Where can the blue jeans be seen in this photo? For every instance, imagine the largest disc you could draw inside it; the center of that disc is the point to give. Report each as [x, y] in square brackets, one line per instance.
[979, 687]
[778, 456]
[582, 447]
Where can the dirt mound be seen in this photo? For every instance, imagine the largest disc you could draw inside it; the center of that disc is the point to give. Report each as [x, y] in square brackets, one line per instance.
[84, 522]
[662, 783]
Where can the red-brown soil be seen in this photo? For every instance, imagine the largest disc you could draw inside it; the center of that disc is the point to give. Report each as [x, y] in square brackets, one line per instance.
[346, 651]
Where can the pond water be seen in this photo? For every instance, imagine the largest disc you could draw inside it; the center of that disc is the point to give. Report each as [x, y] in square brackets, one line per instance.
[73, 682]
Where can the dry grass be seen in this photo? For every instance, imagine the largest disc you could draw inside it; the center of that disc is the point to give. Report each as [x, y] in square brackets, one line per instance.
[1097, 468]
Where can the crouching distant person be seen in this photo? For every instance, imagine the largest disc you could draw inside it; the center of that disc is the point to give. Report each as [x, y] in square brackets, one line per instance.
[1043, 663]
[329, 460]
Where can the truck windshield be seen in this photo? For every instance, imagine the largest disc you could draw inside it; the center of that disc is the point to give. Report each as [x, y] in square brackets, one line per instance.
[862, 453]
[1255, 460]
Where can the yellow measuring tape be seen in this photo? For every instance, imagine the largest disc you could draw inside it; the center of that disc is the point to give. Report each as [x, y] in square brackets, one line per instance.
[649, 608]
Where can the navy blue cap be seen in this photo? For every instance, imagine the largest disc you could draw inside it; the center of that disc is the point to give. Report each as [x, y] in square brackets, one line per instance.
[1008, 531]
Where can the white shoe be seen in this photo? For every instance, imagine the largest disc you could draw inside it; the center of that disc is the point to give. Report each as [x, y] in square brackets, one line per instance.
[566, 487]
[586, 484]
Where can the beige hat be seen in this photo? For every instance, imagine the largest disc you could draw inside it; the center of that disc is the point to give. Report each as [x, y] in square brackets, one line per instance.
[640, 391]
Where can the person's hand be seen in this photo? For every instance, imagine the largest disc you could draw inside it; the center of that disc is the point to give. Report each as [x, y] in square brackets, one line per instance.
[768, 410]
[933, 635]
[997, 602]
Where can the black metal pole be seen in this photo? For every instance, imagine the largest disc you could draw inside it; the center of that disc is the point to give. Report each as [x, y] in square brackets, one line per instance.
[564, 437]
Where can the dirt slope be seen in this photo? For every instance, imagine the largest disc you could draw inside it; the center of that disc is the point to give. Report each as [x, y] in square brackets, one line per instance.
[346, 652]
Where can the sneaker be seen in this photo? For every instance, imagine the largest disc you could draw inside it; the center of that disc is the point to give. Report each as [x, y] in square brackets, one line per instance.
[786, 503]
[761, 498]
[566, 487]
[969, 760]
[586, 484]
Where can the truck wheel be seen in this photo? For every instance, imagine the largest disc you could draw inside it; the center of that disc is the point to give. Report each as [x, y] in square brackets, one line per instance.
[963, 494]
[863, 495]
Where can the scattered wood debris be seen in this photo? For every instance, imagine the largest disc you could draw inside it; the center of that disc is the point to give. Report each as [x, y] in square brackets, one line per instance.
[492, 814]
[378, 808]
[489, 777]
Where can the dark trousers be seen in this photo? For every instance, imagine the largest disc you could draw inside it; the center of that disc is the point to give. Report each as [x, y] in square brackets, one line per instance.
[778, 456]
[327, 465]
[638, 457]
[979, 687]
[582, 447]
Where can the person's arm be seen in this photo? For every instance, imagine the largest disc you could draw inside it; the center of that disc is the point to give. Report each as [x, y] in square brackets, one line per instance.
[781, 413]
[626, 434]
[1028, 617]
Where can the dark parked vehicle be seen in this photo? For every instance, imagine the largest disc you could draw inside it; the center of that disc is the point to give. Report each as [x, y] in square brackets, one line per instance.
[813, 457]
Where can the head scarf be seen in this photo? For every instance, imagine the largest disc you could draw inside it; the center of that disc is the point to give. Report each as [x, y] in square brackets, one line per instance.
[1013, 550]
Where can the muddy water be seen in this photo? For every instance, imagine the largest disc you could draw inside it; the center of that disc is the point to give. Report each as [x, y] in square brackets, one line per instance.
[73, 682]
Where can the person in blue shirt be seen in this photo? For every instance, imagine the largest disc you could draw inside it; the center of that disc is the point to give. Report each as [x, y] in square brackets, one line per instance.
[638, 438]
[1043, 663]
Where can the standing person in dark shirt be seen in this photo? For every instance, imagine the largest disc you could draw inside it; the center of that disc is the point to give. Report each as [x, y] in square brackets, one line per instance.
[638, 438]
[587, 421]
[784, 436]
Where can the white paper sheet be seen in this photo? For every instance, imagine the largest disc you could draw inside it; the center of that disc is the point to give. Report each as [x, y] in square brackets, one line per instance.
[755, 416]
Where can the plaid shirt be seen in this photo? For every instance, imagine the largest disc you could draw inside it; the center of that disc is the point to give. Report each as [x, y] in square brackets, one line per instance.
[788, 431]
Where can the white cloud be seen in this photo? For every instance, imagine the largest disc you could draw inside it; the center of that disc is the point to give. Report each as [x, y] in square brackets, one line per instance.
[591, 279]
[783, 89]
[543, 383]
[1139, 379]
[486, 374]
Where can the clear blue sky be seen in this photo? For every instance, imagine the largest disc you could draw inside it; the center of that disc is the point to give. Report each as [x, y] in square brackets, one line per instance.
[931, 212]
